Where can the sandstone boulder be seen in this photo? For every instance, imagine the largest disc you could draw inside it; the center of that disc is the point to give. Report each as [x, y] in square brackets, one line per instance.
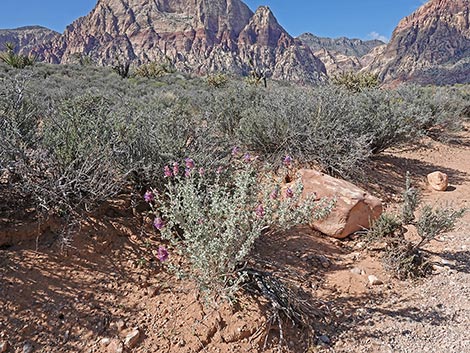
[438, 181]
[354, 210]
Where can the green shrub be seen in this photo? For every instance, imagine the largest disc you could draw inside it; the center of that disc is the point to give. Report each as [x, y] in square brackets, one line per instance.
[356, 82]
[16, 60]
[404, 257]
[155, 69]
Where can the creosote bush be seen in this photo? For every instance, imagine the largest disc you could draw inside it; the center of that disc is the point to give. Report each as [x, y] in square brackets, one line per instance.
[356, 82]
[213, 218]
[405, 258]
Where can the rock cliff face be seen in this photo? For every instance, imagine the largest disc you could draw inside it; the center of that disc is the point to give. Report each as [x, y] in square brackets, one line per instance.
[340, 54]
[26, 38]
[430, 46]
[200, 36]
[342, 45]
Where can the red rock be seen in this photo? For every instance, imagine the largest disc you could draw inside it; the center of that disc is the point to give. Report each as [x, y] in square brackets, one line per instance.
[199, 37]
[354, 210]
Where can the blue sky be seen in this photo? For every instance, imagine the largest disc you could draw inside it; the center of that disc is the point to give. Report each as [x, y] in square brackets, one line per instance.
[331, 18]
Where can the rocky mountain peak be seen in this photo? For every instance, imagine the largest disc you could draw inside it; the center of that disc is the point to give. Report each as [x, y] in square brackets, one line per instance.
[199, 36]
[432, 45]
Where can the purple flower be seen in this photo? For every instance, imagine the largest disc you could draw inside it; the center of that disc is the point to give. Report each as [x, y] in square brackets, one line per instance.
[201, 171]
[149, 196]
[235, 151]
[187, 172]
[158, 223]
[260, 211]
[167, 172]
[162, 254]
[289, 193]
[287, 161]
[176, 169]
[247, 157]
[189, 163]
[219, 170]
[274, 194]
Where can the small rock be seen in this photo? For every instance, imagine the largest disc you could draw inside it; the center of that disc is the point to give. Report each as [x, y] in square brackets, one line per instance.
[374, 281]
[4, 346]
[120, 325]
[360, 245]
[448, 262]
[438, 181]
[152, 291]
[325, 339]
[116, 346]
[105, 341]
[132, 338]
[357, 271]
[325, 262]
[28, 348]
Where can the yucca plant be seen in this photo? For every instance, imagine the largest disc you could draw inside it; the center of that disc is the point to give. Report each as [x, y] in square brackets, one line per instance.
[16, 60]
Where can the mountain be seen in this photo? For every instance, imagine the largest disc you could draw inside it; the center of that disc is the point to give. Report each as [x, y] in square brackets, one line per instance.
[342, 45]
[431, 46]
[26, 38]
[339, 54]
[200, 36]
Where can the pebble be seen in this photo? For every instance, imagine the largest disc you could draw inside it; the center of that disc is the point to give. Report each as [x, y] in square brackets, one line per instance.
[374, 281]
[325, 262]
[120, 325]
[116, 346]
[357, 271]
[4, 346]
[105, 341]
[448, 262]
[325, 339]
[28, 348]
[132, 338]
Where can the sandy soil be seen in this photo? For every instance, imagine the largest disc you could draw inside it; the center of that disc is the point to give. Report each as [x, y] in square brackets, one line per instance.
[90, 298]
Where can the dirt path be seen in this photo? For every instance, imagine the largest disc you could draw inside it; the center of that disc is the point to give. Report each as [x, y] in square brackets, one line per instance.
[110, 283]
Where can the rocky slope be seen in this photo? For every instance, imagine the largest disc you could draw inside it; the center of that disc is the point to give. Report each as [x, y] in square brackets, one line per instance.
[26, 38]
[340, 54]
[200, 36]
[432, 45]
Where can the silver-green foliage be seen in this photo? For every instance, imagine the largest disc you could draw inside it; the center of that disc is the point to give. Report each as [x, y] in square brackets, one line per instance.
[213, 219]
[405, 257]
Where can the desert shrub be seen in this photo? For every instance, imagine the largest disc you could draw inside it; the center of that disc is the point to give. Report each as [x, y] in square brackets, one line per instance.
[405, 258]
[16, 60]
[155, 69]
[212, 218]
[385, 226]
[217, 80]
[356, 82]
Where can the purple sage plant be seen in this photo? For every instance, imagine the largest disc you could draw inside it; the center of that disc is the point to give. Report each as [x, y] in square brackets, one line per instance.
[158, 223]
[289, 193]
[167, 172]
[176, 169]
[189, 162]
[149, 196]
[162, 254]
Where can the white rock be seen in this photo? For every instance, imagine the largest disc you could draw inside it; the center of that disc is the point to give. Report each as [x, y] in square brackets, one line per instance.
[357, 271]
[374, 281]
[438, 181]
[4, 346]
[105, 341]
[28, 348]
[132, 338]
